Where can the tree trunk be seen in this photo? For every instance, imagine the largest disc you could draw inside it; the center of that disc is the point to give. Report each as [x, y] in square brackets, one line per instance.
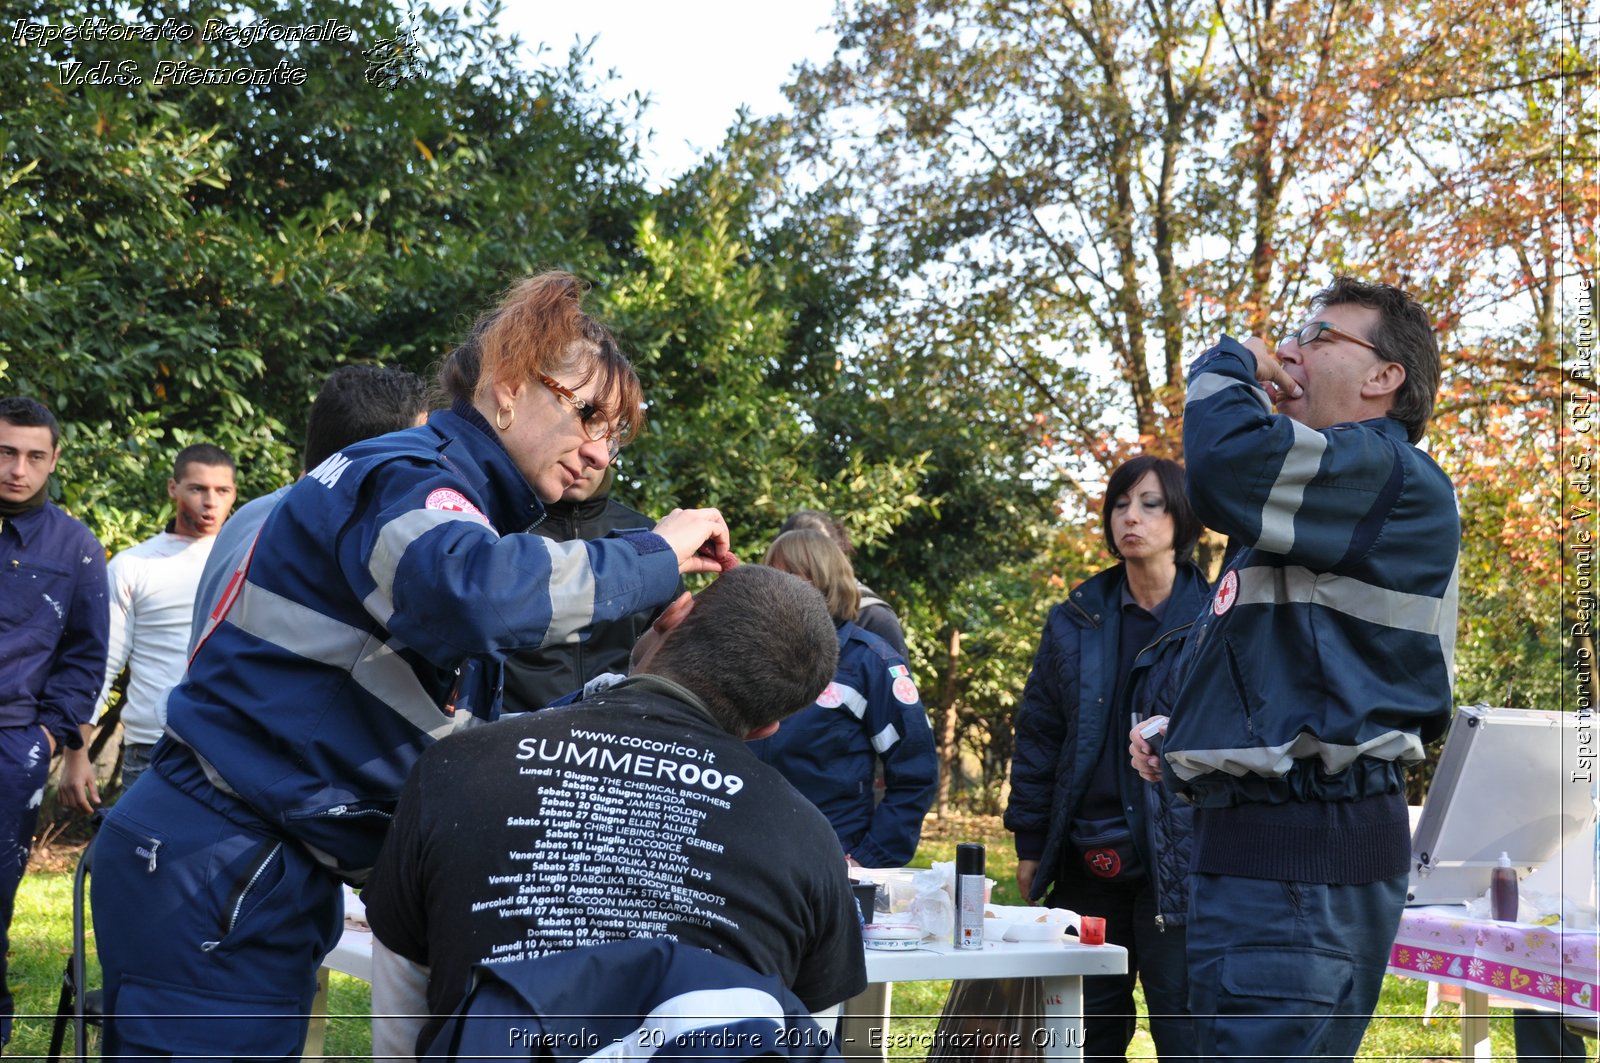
[947, 726]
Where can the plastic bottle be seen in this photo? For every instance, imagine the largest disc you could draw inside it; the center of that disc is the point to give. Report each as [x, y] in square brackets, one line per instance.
[1503, 890]
[970, 885]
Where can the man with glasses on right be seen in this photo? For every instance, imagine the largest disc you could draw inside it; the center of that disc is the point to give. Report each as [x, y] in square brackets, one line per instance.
[1316, 673]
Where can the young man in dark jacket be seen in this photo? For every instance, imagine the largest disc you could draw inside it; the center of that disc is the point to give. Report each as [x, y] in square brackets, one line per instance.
[54, 620]
[1317, 673]
[537, 677]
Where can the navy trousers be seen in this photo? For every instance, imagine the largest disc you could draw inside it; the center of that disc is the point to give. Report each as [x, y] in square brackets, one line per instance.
[1540, 1036]
[210, 927]
[24, 768]
[1156, 958]
[1287, 970]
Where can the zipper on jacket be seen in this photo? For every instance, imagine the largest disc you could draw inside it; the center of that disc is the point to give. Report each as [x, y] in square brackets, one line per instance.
[255, 876]
[150, 866]
[1163, 637]
[1152, 803]
[338, 811]
[236, 905]
[345, 811]
[1238, 687]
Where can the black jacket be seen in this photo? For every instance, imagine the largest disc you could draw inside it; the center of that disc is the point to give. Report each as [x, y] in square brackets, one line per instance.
[1065, 720]
[1169, 821]
[876, 616]
[535, 678]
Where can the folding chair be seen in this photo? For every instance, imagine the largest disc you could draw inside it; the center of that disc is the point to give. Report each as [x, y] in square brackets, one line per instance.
[78, 1004]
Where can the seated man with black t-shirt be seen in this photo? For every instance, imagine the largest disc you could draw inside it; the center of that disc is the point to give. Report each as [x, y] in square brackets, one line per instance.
[639, 812]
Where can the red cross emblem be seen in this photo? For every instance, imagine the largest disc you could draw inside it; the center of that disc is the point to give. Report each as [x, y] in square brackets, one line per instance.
[1227, 591]
[1103, 862]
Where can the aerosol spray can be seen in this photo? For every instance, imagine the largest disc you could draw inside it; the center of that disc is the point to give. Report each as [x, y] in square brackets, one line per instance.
[970, 885]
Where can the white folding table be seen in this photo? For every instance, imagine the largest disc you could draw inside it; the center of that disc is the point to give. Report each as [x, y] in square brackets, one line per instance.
[1060, 965]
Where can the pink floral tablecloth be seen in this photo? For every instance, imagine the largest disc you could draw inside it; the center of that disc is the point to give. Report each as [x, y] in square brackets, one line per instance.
[1553, 968]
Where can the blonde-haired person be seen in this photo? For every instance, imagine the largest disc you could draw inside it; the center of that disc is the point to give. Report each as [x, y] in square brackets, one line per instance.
[869, 715]
[385, 581]
[874, 615]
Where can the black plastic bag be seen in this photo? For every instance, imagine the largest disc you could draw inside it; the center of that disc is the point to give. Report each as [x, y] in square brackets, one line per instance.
[995, 1018]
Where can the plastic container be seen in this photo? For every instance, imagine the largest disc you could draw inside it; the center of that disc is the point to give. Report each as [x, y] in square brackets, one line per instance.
[866, 892]
[894, 938]
[970, 889]
[1045, 924]
[1503, 890]
[1006, 922]
[896, 887]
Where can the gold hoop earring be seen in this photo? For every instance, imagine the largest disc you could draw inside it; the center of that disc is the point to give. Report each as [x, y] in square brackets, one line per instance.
[504, 411]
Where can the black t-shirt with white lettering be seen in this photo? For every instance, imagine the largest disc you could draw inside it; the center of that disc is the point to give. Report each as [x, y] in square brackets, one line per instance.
[629, 815]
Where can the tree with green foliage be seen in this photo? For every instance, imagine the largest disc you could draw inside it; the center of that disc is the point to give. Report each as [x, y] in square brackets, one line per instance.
[188, 261]
[941, 302]
[1491, 231]
[1079, 197]
[721, 345]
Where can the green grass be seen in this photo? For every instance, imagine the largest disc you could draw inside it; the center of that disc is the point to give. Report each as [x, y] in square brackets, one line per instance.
[41, 940]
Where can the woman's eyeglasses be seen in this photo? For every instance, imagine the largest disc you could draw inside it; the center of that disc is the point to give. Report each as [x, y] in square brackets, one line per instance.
[590, 416]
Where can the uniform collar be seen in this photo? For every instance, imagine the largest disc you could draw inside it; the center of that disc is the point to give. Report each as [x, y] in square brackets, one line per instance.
[588, 509]
[1102, 592]
[471, 448]
[660, 684]
[1387, 425]
[1159, 612]
[28, 525]
[1099, 592]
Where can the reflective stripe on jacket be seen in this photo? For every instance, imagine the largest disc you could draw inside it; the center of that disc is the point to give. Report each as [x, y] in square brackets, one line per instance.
[377, 578]
[536, 679]
[1325, 659]
[829, 751]
[628, 1000]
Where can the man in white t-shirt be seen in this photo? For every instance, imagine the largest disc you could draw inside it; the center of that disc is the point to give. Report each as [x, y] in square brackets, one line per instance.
[356, 402]
[152, 590]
